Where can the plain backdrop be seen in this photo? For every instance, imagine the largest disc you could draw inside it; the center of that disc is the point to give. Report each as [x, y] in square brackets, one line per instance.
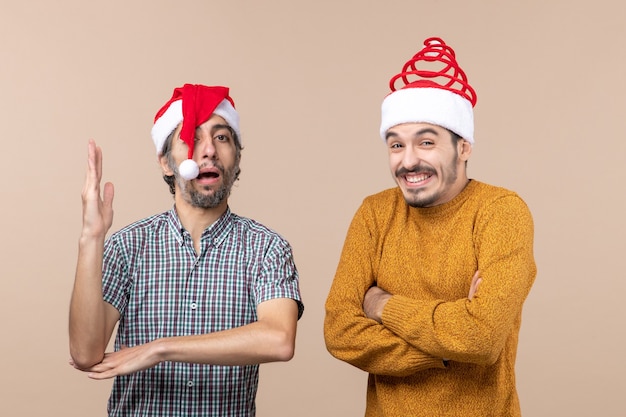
[308, 78]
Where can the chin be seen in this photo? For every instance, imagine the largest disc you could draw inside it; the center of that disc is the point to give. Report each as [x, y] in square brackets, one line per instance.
[419, 201]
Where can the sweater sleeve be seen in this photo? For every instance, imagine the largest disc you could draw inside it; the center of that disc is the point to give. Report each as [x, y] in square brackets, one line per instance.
[475, 331]
[352, 337]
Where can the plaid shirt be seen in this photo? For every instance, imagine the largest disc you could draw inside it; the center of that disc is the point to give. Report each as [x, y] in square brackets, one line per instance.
[161, 288]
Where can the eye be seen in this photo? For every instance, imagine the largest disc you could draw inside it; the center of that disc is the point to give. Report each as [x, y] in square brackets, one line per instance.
[395, 145]
[222, 138]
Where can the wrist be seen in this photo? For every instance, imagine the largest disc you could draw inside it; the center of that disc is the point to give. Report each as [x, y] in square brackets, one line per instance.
[158, 349]
[89, 237]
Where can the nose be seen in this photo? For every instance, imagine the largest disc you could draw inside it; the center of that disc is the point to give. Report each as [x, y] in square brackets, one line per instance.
[205, 148]
[411, 157]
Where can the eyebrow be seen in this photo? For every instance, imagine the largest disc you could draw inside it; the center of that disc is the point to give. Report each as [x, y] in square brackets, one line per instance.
[217, 127]
[418, 133]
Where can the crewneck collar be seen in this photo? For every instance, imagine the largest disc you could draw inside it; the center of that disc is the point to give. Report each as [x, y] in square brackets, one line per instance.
[449, 206]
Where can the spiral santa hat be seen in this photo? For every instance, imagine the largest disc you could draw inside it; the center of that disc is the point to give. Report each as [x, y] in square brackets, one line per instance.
[434, 90]
[192, 104]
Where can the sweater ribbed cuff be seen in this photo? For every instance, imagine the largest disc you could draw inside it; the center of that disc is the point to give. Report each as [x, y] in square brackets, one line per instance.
[401, 316]
[400, 312]
[422, 361]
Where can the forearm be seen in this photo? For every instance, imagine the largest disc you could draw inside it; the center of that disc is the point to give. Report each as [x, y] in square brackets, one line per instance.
[246, 345]
[364, 343]
[88, 312]
[270, 339]
[443, 329]
[374, 349]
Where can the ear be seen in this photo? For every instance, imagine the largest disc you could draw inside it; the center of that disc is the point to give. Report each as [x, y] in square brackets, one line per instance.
[165, 167]
[465, 150]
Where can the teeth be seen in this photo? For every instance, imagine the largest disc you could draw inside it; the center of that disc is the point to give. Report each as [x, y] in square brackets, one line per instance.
[414, 179]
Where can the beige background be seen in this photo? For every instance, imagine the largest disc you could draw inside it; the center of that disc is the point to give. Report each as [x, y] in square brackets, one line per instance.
[308, 79]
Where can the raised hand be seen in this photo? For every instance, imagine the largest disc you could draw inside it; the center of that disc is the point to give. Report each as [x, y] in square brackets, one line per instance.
[97, 209]
[91, 320]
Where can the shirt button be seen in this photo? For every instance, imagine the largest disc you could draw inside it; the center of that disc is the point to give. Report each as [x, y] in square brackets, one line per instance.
[193, 306]
[190, 384]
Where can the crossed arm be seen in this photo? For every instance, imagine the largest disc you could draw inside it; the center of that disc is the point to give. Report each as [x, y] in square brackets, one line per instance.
[92, 320]
[376, 299]
[360, 338]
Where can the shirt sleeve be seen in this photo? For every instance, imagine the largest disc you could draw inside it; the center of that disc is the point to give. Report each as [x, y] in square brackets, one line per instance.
[115, 274]
[349, 334]
[475, 331]
[279, 275]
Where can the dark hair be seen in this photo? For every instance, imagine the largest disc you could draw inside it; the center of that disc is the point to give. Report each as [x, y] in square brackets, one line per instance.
[455, 140]
[167, 153]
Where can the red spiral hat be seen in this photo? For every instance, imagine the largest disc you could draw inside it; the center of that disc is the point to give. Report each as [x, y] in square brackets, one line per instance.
[434, 90]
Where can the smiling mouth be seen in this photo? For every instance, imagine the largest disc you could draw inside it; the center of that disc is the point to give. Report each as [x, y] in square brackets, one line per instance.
[417, 178]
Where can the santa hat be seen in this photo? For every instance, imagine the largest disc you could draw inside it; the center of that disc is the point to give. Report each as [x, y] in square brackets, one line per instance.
[440, 95]
[192, 104]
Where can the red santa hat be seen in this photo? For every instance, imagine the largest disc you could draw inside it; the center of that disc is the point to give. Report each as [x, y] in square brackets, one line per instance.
[193, 104]
[440, 95]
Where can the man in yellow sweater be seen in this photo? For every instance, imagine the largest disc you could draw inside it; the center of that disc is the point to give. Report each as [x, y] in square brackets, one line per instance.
[428, 294]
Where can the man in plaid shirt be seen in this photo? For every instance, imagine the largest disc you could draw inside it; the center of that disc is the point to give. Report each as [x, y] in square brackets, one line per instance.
[201, 295]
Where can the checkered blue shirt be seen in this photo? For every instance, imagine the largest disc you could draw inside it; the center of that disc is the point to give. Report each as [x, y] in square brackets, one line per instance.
[161, 288]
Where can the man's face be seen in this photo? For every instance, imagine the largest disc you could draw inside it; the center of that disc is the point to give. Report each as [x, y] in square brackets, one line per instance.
[426, 164]
[216, 154]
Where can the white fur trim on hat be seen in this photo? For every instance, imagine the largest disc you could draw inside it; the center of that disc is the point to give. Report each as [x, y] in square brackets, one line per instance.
[173, 116]
[228, 112]
[166, 124]
[428, 105]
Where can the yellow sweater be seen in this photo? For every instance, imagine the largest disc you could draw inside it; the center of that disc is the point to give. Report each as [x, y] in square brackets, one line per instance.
[426, 258]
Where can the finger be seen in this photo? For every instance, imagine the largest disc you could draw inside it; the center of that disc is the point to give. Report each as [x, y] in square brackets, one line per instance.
[475, 278]
[94, 172]
[99, 376]
[94, 158]
[107, 195]
[98, 162]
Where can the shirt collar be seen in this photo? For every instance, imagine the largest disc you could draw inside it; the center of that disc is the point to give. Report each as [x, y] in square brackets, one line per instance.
[216, 232]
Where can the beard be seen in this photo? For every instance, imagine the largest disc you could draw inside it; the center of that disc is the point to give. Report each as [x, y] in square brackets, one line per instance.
[423, 198]
[199, 199]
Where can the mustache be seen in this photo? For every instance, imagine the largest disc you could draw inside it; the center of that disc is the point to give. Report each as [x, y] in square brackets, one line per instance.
[415, 169]
[215, 165]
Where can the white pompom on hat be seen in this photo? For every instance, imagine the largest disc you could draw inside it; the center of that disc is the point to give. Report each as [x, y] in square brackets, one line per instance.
[193, 104]
[442, 96]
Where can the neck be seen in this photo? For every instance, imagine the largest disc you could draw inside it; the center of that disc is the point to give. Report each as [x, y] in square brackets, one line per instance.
[196, 219]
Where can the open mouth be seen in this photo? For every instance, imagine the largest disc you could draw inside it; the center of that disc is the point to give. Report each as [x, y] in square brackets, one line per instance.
[208, 175]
